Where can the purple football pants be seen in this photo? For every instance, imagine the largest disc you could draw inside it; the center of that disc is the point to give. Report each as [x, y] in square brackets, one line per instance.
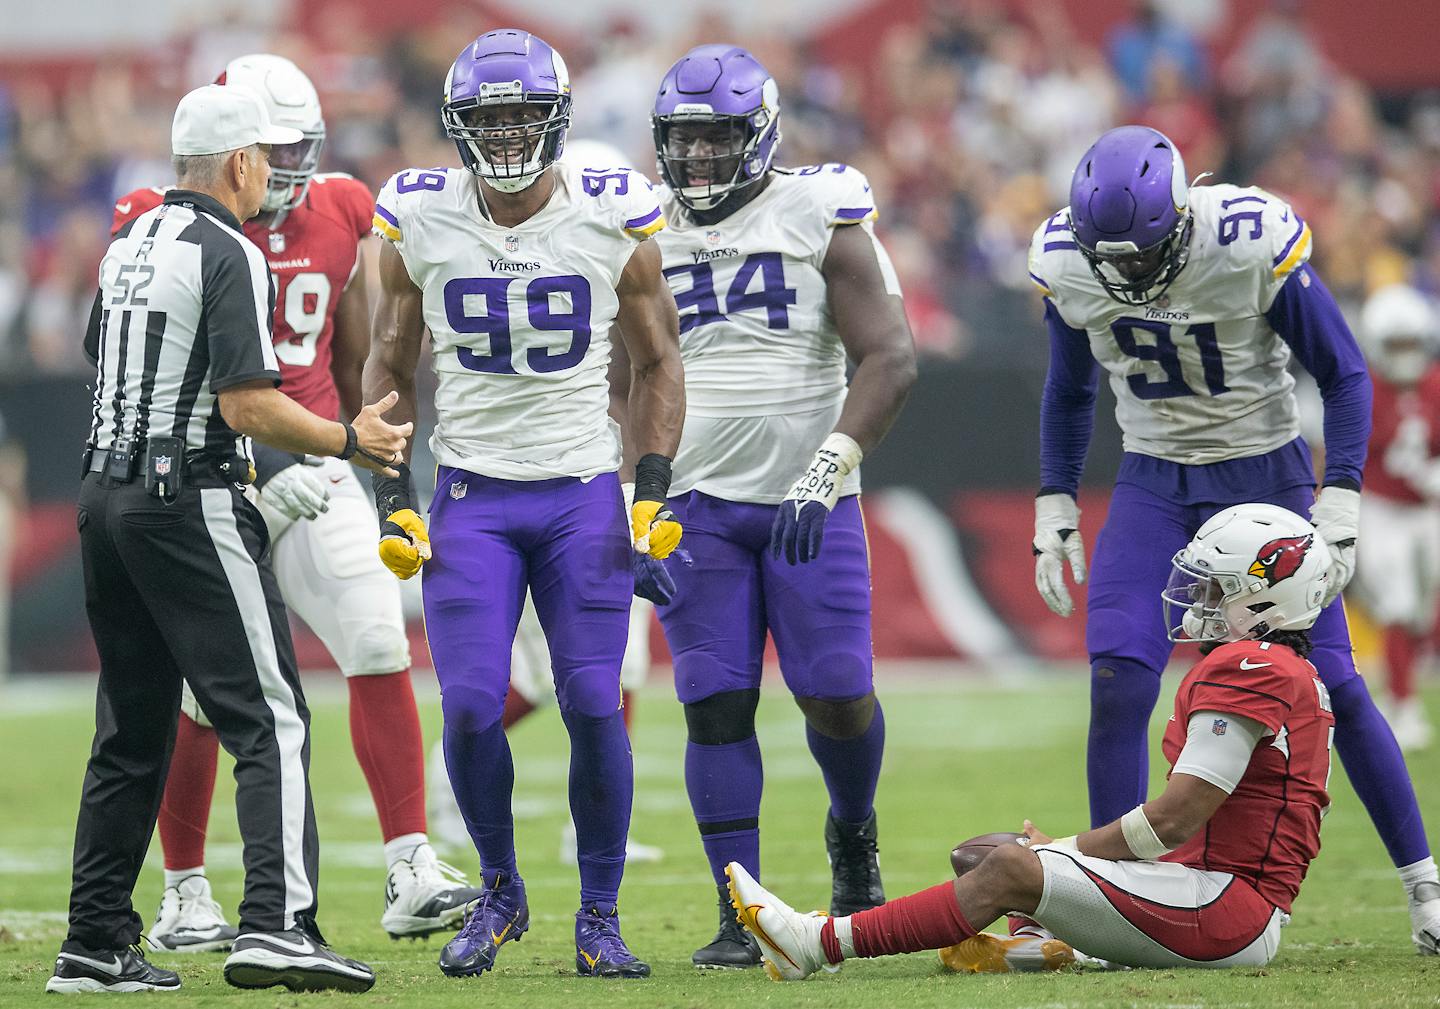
[818, 613]
[1125, 635]
[567, 541]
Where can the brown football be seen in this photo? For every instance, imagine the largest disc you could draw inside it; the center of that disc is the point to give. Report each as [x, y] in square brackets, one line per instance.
[968, 854]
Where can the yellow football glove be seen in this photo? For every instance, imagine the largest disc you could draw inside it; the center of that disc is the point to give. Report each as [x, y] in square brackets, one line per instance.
[404, 543]
[654, 529]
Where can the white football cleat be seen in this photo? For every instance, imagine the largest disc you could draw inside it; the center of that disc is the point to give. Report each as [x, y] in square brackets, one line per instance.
[789, 941]
[635, 852]
[190, 920]
[1425, 918]
[424, 895]
[1408, 721]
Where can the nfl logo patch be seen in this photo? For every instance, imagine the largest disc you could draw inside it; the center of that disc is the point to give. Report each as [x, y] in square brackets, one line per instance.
[1163, 301]
[277, 242]
[458, 489]
[162, 465]
[712, 236]
[512, 243]
[1220, 726]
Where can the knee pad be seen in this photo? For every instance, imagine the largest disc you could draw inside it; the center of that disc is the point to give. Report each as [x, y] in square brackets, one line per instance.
[723, 718]
[592, 692]
[838, 719]
[470, 709]
[1122, 691]
[377, 650]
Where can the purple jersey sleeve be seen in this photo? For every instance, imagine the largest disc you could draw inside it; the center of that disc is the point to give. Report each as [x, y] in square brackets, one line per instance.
[1305, 316]
[1067, 407]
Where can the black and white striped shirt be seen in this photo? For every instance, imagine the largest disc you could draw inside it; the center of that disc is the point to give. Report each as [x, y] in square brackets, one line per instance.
[184, 311]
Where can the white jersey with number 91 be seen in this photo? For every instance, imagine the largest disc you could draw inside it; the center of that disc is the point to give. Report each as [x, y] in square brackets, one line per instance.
[764, 365]
[1199, 375]
[520, 317]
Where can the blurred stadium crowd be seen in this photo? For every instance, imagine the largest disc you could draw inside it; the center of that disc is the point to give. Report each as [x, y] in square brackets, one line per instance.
[969, 136]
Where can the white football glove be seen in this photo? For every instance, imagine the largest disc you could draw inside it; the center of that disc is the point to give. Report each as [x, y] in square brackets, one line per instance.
[1336, 517]
[297, 492]
[1057, 539]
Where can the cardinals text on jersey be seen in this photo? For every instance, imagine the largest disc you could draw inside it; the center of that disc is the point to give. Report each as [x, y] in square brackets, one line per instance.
[520, 316]
[1199, 375]
[312, 256]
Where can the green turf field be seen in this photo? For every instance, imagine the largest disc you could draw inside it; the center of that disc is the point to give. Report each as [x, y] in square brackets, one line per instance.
[963, 759]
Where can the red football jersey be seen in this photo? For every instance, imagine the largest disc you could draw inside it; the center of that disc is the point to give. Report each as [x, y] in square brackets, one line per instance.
[312, 256]
[1268, 830]
[1417, 410]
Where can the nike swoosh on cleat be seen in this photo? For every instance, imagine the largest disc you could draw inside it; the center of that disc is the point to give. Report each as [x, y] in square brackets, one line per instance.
[753, 924]
[498, 939]
[304, 947]
[113, 966]
[590, 961]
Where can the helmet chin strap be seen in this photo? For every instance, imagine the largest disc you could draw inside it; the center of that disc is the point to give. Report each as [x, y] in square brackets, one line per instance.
[512, 185]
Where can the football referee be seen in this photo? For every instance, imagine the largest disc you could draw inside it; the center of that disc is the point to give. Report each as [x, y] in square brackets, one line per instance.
[176, 581]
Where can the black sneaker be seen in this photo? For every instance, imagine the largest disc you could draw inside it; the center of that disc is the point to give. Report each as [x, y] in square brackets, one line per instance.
[733, 948]
[854, 866]
[298, 958]
[117, 970]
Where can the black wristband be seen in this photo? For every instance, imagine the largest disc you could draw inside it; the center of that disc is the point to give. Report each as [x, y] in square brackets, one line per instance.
[652, 477]
[352, 443]
[393, 493]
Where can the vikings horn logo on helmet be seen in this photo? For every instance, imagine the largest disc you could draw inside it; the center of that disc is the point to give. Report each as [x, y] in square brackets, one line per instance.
[1279, 559]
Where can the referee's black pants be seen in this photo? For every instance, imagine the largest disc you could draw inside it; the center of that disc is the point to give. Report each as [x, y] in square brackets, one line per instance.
[172, 590]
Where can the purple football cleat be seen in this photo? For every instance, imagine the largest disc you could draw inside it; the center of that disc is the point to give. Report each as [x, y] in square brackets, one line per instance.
[1130, 212]
[507, 107]
[599, 949]
[716, 123]
[501, 915]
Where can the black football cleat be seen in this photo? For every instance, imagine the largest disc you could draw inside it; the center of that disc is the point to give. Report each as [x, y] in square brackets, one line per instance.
[854, 865]
[297, 958]
[733, 948]
[110, 970]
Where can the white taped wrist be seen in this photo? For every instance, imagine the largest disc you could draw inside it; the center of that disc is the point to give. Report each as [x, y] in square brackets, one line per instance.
[1071, 843]
[627, 491]
[1144, 843]
[836, 458]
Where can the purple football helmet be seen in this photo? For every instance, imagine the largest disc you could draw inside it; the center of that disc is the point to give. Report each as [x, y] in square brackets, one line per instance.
[1130, 212]
[507, 107]
[716, 123]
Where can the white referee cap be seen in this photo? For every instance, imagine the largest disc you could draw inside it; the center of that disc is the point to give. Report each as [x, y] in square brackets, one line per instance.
[215, 118]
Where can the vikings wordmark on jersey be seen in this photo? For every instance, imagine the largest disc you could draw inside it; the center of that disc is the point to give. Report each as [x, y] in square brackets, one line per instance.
[520, 316]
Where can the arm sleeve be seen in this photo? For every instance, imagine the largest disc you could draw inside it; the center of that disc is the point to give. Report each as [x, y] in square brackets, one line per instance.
[92, 332]
[1218, 746]
[1305, 316]
[1067, 406]
[238, 300]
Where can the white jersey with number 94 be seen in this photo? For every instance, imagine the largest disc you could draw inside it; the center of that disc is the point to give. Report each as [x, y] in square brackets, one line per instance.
[520, 317]
[1199, 375]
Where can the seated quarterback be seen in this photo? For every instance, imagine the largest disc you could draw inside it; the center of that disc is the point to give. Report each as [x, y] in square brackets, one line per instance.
[1188, 879]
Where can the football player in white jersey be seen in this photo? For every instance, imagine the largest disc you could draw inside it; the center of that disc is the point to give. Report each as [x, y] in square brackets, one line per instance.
[313, 229]
[1194, 300]
[779, 279]
[519, 265]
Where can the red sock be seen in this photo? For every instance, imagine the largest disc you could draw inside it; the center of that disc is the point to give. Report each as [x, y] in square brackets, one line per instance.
[1401, 648]
[626, 711]
[185, 809]
[516, 708]
[385, 730]
[930, 919]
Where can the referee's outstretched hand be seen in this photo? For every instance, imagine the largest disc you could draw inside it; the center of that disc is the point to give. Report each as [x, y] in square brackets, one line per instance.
[381, 445]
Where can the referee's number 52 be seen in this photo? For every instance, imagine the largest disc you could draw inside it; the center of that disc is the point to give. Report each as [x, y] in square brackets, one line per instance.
[130, 281]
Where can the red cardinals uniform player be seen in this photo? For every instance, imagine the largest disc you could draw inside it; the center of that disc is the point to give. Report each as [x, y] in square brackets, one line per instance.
[1398, 573]
[1202, 875]
[312, 229]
